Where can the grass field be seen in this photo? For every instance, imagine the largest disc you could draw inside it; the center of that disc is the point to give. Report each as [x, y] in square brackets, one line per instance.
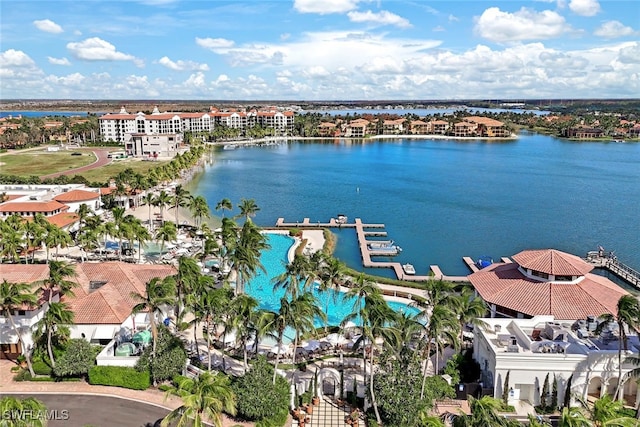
[117, 166]
[43, 162]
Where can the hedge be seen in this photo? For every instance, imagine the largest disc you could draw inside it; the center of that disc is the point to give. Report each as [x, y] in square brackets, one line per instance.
[119, 376]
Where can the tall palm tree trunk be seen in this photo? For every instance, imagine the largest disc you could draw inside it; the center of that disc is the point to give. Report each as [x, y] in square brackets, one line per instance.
[26, 352]
[275, 368]
[209, 343]
[49, 348]
[371, 391]
[426, 368]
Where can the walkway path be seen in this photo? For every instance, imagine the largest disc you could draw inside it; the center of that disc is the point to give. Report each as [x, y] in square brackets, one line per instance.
[101, 160]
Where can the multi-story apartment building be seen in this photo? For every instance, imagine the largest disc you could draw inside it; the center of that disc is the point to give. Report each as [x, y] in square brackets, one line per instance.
[117, 127]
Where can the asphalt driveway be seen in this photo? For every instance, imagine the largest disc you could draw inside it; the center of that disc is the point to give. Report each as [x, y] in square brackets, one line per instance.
[73, 410]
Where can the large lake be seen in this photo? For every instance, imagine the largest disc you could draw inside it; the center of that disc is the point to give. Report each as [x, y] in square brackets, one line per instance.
[445, 199]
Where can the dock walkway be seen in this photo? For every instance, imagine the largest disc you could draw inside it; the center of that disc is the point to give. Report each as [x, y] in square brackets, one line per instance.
[362, 232]
[618, 268]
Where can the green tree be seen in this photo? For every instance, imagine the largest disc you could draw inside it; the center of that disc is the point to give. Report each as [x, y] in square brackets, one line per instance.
[12, 296]
[199, 209]
[162, 200]
[204, 398]
[258, 397]
[248, 209]
[158, 292]
[169, 359]
[166, 233]
[627, 317]
[14, 412]
[54, 325]
[224, 204]
[180, 199]
[57, 281]
[78, 358]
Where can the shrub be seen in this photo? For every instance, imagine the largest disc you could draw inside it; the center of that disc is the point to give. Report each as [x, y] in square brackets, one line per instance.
[119, 376]
[41, 367]
[170, 357]
[258, 399]
[23, 375]
[77, 359]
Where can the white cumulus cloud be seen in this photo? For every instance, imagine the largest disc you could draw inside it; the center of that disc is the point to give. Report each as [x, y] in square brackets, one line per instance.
[58, 61]
[584, 7]
[613, 29]
[325, 7]
[15, 58]
[383, 17]
[213, 44]
[96, 49]
[181, 65]
[525, 24]
[48, 26]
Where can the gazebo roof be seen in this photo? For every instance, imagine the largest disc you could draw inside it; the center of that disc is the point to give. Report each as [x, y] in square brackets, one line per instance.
[552, 261]
[504, 285]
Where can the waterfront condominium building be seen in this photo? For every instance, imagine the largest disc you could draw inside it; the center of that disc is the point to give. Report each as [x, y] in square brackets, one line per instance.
[120, 126]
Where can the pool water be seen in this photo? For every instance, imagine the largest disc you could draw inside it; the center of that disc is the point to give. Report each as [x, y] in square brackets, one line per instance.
[334, 303]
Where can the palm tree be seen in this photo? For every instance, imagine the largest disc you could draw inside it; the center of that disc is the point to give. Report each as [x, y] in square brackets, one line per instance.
[12, 296]
[186, 282]
[204, 398]
[158, 293]
[34, 233]
[606, 412]
[149, 200]
[12, 243]
[224, 204]
[14, 412]
[162, 200]
[139, 233]
[56, 238]
[166, 233]
[573, 417]
[180, 198]
[304, 310]
[375, 317]
[469, 308]
[243, 313]
[245, 256]
[199, 209]
[274, 323]
[211, 308]
[628, 316]
[59, 272]
[248, 208]
[293, 277]
[332, 276]
[53, 325]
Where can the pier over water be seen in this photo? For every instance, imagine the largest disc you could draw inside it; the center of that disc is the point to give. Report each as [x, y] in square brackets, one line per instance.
[610, 262]
[366, 252]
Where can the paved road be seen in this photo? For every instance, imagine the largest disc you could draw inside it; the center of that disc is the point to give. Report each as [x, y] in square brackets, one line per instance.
[99, 411]
[102, 159]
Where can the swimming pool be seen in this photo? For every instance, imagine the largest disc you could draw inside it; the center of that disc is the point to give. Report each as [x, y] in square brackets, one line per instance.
[274, 260]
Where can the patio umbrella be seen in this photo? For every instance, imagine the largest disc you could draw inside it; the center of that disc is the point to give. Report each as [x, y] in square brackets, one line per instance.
[311, 345]
[280, 349]
[336, 339]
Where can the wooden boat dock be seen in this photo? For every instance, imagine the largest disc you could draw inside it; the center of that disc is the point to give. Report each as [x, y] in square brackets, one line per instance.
[366, 253]
[611, 263]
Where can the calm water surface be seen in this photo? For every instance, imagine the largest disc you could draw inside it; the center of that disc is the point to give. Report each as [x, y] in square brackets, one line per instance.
[444, 199]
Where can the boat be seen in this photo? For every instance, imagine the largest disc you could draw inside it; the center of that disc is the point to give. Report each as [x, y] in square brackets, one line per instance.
[618, 140]
[484, 261]
[383, 247]
[341, 219]
[408, 269]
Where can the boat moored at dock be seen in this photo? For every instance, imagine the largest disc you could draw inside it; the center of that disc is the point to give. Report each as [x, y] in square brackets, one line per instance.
[408, 269]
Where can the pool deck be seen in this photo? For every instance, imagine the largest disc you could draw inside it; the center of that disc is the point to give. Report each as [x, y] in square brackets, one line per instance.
[362, 232]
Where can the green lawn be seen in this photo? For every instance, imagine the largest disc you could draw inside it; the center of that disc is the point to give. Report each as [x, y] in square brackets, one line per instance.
[117, 166]
[43, 162]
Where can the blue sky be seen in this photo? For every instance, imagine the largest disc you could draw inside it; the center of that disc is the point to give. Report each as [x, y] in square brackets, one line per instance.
[319, 49]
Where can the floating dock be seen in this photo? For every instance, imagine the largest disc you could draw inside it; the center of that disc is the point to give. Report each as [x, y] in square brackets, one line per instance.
[366, 253]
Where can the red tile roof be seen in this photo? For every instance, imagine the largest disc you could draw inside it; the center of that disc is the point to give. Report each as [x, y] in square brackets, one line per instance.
[63, 219]
[552, 261]
[111, 303]
[504, 285]
[76, 196]
[35, 206]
